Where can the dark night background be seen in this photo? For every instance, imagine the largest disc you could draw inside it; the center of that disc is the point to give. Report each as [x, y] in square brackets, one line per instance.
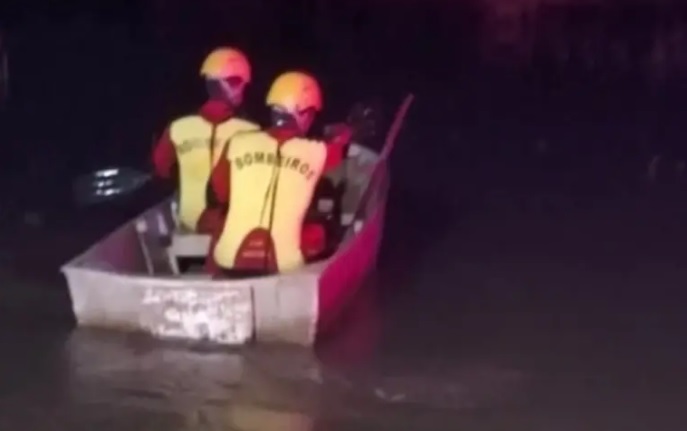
[532, 276]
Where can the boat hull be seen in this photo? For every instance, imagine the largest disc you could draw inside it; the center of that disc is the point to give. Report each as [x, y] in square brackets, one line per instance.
[124, 282]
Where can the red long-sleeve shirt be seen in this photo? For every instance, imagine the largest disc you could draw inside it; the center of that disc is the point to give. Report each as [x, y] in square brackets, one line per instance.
[336, 144]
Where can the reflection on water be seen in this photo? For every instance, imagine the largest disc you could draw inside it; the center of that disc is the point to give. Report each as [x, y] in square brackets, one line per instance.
[114, 381]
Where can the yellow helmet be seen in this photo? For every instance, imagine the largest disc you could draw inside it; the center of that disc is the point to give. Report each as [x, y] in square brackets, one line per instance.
[295, 92]
[223, 63]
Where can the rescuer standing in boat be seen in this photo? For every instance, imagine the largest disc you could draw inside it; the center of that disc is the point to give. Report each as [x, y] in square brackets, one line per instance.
[195, 143]
[270, 177]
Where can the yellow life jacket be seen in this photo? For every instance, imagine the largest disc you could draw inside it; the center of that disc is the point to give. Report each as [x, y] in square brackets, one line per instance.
[260, 167]
[191, 137]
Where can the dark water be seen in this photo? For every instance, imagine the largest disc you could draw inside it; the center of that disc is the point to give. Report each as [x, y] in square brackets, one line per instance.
[531, 277]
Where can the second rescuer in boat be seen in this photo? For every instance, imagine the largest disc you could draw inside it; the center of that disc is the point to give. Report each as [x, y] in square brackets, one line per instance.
[270, 177]
[195, 143]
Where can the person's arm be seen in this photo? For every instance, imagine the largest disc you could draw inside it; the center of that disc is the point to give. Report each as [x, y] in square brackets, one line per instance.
[221, 175]
[338, 137]
[164, 156]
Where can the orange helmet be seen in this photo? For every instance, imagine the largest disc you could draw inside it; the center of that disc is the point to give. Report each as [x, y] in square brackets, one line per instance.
[225, 63]
[295, 92]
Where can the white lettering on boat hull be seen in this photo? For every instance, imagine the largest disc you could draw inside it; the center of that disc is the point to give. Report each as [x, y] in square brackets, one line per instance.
[221, 316]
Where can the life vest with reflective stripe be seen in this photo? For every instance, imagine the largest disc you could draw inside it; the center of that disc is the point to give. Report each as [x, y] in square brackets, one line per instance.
[196, 156]
[271, 189]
